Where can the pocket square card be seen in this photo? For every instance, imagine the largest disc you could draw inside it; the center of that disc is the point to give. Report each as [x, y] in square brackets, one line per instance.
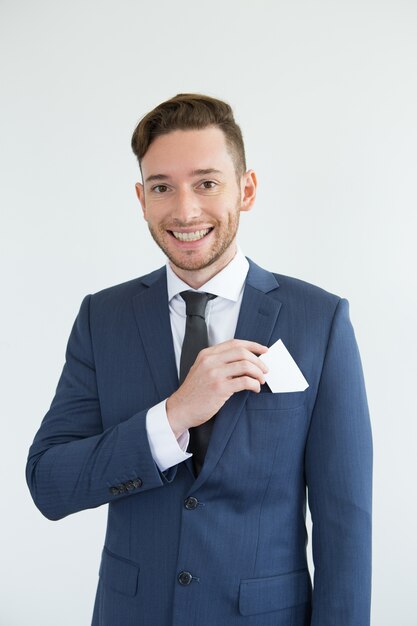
[284, 374]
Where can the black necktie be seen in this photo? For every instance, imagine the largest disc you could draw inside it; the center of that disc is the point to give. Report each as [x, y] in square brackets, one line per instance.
[195, 339]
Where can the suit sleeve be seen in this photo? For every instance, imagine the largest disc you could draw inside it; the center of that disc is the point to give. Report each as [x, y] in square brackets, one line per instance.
[339, 480]
[75, 464]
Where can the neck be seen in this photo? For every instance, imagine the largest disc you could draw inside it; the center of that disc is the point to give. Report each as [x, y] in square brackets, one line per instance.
[197, 278]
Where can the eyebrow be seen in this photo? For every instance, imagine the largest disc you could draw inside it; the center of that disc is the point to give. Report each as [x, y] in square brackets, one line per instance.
[199, 172]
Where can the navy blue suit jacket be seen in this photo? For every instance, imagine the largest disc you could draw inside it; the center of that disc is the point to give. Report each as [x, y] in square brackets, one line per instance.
[228, 547]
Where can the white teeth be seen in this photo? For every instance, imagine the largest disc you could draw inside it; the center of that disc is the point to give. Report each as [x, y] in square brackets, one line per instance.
[197, 234]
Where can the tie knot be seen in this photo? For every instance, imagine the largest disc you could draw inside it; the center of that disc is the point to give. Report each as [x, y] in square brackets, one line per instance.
[196, 302]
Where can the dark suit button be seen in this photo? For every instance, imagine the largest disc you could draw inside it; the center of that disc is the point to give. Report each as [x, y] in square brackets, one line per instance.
[137, 483]
[184, 578]
[121, 488]
[129, 485]
[191, 503]
[114, 491]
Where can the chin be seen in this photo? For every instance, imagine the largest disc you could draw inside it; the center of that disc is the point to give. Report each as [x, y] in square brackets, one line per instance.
[198, 259]
[190, 264]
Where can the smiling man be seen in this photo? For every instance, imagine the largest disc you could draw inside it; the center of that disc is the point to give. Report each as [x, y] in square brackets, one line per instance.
[164, 411]
[193, 213]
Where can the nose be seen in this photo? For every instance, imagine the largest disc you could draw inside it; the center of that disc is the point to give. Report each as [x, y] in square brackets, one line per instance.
[186, 206]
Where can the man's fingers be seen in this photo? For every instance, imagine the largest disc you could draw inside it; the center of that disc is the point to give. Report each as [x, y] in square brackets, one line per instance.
[244, 382]
[252, 346]
[243, 368]
[235, 354]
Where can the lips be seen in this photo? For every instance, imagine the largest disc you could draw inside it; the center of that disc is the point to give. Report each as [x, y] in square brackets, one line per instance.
[194, 235]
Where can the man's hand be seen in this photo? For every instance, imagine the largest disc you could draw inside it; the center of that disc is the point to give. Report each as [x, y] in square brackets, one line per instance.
[218, 373]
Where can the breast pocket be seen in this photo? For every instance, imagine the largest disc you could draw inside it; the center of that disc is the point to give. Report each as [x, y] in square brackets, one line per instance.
[268, 401]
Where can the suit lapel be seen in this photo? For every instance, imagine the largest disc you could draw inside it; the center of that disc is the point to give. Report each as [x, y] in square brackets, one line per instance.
[152, 317]
[257, 319]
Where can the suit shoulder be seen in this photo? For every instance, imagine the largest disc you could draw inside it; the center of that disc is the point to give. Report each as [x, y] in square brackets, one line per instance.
[126, 290]
[283, 287]
[302, 288]
[308, 301]
[300, 295]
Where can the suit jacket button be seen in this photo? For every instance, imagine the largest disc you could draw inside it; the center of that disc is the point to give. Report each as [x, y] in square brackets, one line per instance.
[121, 488]
[191, 503]
[184, 578]
[137, 483]
[114, 491]
[129, 485]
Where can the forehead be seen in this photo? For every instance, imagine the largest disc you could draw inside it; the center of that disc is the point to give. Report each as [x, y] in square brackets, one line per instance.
[185, 150]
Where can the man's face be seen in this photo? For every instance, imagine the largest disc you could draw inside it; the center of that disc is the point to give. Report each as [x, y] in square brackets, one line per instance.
[191, 198]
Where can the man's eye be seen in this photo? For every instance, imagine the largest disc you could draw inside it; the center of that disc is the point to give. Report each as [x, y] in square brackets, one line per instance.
[209, 184]
[160, 188]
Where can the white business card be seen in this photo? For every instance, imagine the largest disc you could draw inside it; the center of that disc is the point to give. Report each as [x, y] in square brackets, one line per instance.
[284, 374]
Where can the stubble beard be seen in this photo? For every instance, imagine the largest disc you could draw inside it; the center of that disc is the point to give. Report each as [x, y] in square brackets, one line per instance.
[224, 235]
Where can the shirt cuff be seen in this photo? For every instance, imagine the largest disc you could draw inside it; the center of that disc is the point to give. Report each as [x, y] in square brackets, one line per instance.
[165, 448]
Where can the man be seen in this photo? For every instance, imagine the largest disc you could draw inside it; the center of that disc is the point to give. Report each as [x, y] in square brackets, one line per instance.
[163, 410]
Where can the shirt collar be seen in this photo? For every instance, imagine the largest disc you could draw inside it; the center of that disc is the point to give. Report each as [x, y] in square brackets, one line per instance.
[228, 283]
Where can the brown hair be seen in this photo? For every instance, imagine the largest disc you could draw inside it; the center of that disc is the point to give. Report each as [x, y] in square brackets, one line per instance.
[190, 111]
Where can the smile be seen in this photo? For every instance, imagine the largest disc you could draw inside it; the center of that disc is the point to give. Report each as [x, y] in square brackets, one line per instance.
[193, 236]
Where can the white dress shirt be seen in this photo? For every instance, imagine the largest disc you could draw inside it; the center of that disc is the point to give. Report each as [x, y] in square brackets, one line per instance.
[221, 318]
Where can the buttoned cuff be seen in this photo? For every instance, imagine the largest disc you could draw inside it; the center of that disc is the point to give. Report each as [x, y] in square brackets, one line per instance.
[165, 448]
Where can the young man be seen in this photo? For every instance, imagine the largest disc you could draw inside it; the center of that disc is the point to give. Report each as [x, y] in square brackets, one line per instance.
[164, 411]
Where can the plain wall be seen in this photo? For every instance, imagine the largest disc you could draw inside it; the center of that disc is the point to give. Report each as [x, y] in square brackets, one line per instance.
[326, 95]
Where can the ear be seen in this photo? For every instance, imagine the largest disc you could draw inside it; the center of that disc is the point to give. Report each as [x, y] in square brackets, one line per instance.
[248, 187]
[140, 192]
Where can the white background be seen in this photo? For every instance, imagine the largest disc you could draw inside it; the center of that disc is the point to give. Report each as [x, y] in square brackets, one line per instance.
[326, 95]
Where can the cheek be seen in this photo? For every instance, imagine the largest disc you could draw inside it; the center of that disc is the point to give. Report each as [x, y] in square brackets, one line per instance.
[221, 207]
[156, 212]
